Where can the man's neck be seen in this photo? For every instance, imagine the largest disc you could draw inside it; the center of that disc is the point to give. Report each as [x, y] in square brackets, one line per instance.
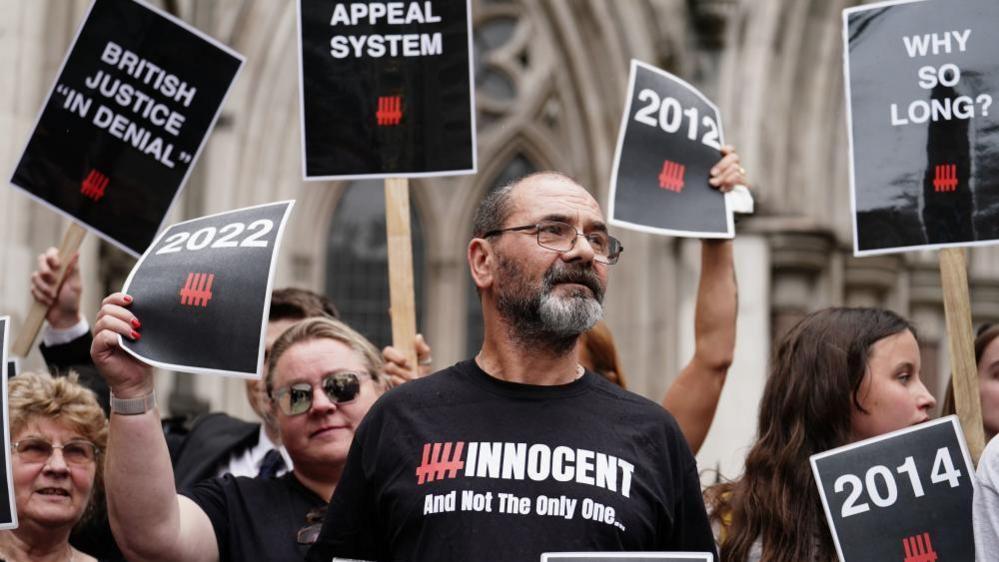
[505, 359]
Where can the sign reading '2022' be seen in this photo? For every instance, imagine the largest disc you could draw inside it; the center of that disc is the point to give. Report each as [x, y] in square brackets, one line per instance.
[202, 292]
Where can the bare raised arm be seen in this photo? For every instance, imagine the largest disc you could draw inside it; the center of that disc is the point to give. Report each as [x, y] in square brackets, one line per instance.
[693, 396]
[149, 519]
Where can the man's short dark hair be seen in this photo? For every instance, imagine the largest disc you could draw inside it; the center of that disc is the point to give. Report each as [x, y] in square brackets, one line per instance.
[497, 206]
[292, 303]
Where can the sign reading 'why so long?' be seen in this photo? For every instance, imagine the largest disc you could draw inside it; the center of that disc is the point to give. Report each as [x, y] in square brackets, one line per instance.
[922, 78]
[628, 557]
[901, 496]
[8, 511]
[670, 138]
[386, 88]
[125, 121]
[203, 289]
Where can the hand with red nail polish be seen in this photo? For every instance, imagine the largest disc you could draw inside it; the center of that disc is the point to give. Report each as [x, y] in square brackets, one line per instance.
[127, 376]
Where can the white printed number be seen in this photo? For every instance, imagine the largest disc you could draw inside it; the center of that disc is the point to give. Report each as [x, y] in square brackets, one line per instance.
[225, 237]
[669, 115]
[880, 486]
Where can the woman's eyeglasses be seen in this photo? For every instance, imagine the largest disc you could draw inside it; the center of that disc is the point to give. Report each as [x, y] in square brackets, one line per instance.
[340, 387]
[38, 450]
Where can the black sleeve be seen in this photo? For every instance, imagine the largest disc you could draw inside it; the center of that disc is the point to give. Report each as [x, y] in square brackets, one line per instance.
[350, 529]
[210, 495]
[691, 528]
[70, 355]
[75, 356]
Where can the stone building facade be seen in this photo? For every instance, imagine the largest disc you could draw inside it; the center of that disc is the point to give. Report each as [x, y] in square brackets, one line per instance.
[551, 79]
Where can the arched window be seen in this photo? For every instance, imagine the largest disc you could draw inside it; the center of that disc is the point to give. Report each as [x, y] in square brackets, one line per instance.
[357, 261]
[518, 167]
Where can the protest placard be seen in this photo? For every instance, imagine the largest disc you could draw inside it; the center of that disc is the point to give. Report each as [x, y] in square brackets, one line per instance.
[670, 138]
[905, 495]
[924, 140]
[125, 121]
[386, 89]
[203, 290]
[628, 556]
[8, 511]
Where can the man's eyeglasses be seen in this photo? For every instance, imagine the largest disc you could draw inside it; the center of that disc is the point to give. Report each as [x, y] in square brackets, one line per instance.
[340, 387]
[561, 237]
[38, 450]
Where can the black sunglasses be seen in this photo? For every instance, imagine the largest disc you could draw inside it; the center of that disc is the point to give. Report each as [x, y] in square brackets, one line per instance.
[340, 387]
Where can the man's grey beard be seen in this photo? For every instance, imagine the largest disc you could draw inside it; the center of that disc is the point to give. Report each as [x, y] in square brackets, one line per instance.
[540, 318]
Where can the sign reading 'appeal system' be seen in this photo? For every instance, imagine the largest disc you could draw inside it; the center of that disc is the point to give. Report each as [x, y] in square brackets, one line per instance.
[905, 495]
[8, 511]
[924, 130]
[670, 137]
[386, 88]
[203, 289]
[127, 117]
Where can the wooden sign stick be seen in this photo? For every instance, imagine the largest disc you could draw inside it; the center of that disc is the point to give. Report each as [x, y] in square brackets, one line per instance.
[400, 258]
[71, 241]
[964, 371]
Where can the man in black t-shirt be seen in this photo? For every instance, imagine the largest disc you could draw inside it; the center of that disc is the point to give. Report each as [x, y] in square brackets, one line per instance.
[519, 451]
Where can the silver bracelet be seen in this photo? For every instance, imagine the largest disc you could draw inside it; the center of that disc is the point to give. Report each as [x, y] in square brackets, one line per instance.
[133, 406]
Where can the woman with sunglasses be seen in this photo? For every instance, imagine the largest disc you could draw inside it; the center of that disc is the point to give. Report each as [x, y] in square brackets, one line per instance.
[322, 377]
[57, 434]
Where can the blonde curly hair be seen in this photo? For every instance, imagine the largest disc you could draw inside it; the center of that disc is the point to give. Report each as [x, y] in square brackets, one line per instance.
[31, 396]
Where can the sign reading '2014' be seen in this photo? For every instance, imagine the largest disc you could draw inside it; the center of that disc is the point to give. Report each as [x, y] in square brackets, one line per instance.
[905, 495]
[202, 292]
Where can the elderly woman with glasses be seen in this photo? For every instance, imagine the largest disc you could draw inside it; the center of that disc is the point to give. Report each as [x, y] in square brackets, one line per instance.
[322, 377]
[58, 431]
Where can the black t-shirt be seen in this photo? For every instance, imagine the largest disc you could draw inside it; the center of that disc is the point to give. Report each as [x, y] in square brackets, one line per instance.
[462, 467]
[256, 518]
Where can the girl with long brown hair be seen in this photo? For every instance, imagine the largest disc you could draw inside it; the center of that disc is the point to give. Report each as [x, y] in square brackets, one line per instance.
[840, 375]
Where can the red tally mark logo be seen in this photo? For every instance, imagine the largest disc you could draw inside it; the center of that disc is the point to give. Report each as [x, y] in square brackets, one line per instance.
[440, 461]
[389, 111]
[671, 176]
[945, 178]
[197, 290]
[918, 549]
[94, 185]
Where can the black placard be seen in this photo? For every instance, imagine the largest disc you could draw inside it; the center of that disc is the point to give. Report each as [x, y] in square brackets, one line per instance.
[386, 89]
[8, 510]
[203, 289]
[670, 138]
[117, 137]
[900, 496]
[628, 557]
[924, 135]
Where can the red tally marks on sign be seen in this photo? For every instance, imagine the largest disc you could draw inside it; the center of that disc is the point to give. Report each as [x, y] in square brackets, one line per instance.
[918, 549]
[94, 185]
[389, 111]
[439, 462]
[671, 176]
[945, 178]
[197, 290]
